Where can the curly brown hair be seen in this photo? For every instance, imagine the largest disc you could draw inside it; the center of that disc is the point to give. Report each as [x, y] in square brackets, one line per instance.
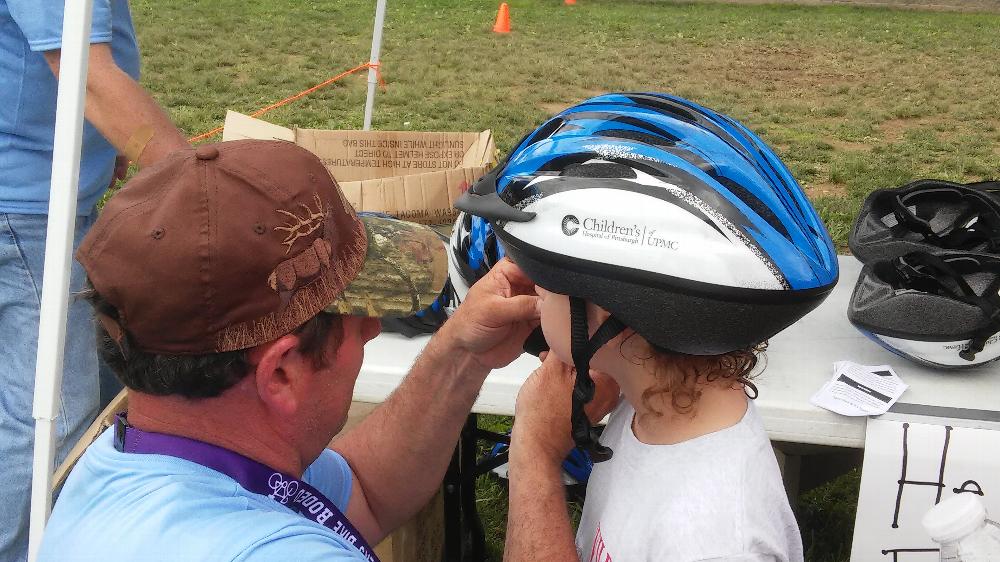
[680, 374]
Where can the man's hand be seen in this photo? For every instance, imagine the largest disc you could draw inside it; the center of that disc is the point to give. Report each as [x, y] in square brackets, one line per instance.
[416, 428]
[121, 170]
[538, 527]
[496, 317]
[542, 415]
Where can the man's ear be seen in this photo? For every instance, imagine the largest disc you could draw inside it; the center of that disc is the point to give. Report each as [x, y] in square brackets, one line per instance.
[277, 372]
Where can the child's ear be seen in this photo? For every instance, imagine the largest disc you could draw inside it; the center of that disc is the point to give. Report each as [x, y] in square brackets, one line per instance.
[631, 347]
[596, 315]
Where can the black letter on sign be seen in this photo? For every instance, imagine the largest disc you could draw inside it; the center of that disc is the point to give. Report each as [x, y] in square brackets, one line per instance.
[895, 552]
[902, 479]
[963, 490]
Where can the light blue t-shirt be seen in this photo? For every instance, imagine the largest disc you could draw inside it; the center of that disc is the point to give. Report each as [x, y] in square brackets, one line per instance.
[28, 101]
[125, 507]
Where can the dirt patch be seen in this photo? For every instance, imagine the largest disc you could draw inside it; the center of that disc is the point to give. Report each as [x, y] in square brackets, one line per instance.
[894, 130]
[815, 191]
[552, 108]
[933, 5]
[592, 92]
[798, 72]
[930, 5]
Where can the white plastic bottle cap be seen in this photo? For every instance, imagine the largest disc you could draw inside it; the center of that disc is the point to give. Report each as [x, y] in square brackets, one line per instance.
[955, 517]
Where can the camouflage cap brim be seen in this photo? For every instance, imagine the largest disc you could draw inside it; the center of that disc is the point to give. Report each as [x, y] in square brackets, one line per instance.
[405, 270]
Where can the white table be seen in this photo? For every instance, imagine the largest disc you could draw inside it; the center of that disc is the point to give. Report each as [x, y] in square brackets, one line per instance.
[799, 360]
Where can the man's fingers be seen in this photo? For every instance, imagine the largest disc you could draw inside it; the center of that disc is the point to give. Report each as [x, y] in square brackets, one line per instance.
[553, 367]
[514, 276]
[522, 308]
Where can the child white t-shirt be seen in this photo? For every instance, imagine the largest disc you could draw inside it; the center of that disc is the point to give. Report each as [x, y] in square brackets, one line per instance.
[715, 497]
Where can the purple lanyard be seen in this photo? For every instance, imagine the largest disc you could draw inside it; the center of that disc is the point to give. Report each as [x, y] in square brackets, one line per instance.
[248, 473]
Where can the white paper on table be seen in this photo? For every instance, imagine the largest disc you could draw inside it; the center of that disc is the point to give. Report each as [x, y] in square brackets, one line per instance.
[860, 390]
[826, 399]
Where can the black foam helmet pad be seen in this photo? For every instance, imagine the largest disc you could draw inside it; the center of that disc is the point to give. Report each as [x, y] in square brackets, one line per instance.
[668, 318]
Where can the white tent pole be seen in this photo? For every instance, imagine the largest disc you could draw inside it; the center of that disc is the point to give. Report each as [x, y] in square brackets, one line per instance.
[374, 59]
[58, 252]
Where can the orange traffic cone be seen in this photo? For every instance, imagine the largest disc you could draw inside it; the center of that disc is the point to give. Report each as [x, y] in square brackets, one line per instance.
[503, 19]
[571, 2]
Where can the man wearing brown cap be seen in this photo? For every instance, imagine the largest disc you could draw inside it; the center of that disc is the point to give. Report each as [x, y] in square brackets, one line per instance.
[235, 289]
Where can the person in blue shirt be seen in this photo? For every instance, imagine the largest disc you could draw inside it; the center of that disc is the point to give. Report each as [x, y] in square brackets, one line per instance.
[236, 290]
[117, 110]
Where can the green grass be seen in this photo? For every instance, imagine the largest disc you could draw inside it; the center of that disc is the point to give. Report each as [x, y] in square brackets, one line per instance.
[852, 98]
[491, 496]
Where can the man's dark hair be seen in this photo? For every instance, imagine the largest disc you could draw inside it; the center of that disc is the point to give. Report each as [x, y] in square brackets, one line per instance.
[198, 376]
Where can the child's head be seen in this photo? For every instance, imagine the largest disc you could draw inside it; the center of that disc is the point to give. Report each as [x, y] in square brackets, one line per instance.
[670, 379]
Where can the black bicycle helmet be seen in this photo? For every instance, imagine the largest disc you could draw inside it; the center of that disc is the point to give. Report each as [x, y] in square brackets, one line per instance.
[940, 310]
[925, 216]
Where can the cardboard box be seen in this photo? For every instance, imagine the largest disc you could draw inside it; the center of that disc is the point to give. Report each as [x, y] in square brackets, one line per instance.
[412, 175]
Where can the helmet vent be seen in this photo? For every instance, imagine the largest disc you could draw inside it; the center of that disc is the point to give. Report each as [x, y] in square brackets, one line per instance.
[639, 136]
[664, 106]
[545, 131]
[599, 170]
[754, 203]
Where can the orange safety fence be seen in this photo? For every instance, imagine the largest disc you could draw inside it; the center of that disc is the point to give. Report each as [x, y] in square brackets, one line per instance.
[301, 94]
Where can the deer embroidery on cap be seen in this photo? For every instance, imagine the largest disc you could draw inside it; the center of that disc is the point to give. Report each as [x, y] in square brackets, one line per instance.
[297, 227]
[305, 266]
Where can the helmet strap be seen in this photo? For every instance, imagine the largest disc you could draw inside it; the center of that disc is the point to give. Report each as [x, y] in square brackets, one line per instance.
[991, 308]
[583, 348]
[931, 274]
[980, 224]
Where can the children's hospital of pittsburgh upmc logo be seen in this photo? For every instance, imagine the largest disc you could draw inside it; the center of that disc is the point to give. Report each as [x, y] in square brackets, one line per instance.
[640, 235]
[570, 225]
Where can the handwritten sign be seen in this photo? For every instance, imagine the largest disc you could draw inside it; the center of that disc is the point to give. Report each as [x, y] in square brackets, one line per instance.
[911, 464]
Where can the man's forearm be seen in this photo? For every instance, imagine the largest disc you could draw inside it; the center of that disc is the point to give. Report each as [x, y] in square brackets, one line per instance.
[538, 526]
[400, 452]
[123, 111]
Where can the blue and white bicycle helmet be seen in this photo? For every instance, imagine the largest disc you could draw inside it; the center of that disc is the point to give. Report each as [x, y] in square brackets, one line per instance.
[472, 251]
[677, 220]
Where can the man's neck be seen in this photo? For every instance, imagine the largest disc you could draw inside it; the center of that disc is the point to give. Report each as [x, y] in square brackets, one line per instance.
[221, 421]
[721, 404]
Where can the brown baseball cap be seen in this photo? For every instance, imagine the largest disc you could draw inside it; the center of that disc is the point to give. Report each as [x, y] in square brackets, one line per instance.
[235, 244]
